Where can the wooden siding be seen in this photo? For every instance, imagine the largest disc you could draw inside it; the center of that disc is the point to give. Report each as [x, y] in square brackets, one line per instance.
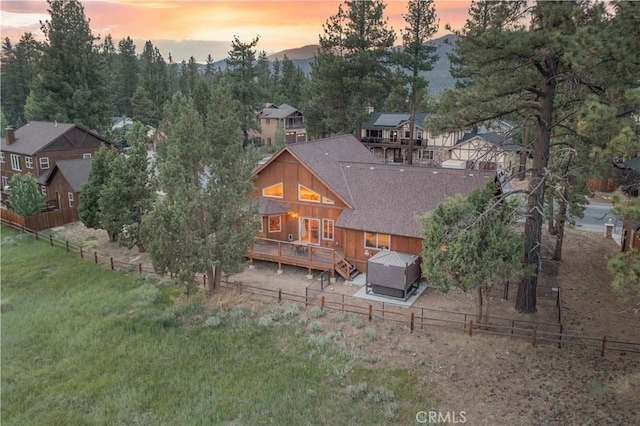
[630, 237]
[287, 170]
[354, 249]
[58, 189]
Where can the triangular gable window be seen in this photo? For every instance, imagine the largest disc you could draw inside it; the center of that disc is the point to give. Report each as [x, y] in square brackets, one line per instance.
[326, 200]
[274, 191]
[305, 194]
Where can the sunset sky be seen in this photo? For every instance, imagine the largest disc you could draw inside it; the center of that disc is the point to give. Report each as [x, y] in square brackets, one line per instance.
[201, 27]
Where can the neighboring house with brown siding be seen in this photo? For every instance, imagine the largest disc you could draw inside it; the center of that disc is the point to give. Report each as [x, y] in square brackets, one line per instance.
[37, 146]
[65, 181]
[336, 195]
[291, 118]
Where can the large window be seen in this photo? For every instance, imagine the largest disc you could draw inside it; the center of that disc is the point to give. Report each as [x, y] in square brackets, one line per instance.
[15, 162]
[305, 194]
[28, 162]
[275, 191]
[5, 182]
[275, 223]
[377, 241]
[327, 229]
[44, 163]
[70, 195]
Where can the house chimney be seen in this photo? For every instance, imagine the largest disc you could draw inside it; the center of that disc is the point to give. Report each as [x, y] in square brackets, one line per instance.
[10, 136]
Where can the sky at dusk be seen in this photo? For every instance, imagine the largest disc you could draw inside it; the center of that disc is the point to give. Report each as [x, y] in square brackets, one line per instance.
[201, 27]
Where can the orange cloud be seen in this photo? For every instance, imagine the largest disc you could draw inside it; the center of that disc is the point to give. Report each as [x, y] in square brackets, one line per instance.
[280, 24]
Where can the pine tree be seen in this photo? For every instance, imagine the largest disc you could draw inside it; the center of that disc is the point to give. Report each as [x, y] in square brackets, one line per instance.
[69, 86]
[517, 59]
[417, 56]
[359, 36]
[129, 192]
[89, 205]
[19, 65]
[154, 80]
[203, 224]
[126, 71]
[242, 73]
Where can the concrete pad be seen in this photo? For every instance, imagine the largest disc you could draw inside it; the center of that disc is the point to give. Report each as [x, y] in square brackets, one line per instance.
[362, 293]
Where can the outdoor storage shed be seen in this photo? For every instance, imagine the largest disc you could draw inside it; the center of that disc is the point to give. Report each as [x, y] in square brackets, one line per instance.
[393, 274]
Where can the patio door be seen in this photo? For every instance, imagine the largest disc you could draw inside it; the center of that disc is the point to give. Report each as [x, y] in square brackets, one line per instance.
[309, 230]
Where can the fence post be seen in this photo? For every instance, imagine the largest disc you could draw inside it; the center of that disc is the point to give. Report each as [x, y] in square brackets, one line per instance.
[560, 338]
[111, 261]
[140, 268]
[370, 312]
[279, 295]
[95, 256]
[67, 244]
[37, 235]
[422, 319]
[411, 321]
[513, 324]
[343, 303]
[204, 280]
[51, 240]
[470, 327]
[506, 291]
[604, 344]
[382, 309]
[465, 321]
[534, 337]
[306, 296]
[81, 253]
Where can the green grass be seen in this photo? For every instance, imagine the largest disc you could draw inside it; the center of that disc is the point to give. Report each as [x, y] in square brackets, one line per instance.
[84, 345]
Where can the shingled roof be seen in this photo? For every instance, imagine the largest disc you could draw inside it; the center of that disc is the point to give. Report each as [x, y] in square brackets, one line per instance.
[389, 198]
[382, 198]
[35, 135]
[76, 172]
[324, 156]
[282, 111]
[392, 120]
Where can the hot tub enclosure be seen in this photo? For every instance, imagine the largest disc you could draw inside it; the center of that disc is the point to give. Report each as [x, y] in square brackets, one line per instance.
[394, 274]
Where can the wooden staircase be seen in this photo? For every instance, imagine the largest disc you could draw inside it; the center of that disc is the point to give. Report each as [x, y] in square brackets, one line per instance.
[346, 269]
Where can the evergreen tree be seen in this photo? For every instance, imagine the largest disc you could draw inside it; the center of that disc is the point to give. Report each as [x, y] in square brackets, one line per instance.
[19, 65]
[264, 80]
[108, 56]
[626, 265]
[126, 71]
[154, 80]
[242, 72]
[291, 85]
[359, 36]
[470, 243]
[203, 224]
[518, 59]
[24, 198]
[189, 75]
[89, 205]
[417, 56]
[70, 86]
[129, 192]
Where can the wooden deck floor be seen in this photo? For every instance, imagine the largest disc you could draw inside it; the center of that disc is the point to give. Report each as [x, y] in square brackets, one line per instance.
[307, 256]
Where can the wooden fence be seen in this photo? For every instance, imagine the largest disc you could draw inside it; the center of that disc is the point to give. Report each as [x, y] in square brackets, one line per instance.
[40, 221]
[412, 318]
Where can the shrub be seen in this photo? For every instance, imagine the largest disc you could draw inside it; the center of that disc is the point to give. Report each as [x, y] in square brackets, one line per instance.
[371, 335]
[315, 327]
[4, 305]
[355, 391]
[265, 321]
[236, 314]
[380, 394]
[317, 312]
[213, 321]
[390, 410]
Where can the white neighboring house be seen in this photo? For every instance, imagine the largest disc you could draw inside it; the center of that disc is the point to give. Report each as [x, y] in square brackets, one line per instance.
[485, 151]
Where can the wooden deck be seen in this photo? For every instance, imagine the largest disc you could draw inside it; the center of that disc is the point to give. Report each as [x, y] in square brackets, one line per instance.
[303, 255]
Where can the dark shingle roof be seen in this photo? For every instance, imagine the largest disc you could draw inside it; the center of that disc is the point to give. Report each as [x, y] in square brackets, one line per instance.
[324, 156]
[76, 172]
[504, 143]
[389, 198]
[34, 136]
[633, 163]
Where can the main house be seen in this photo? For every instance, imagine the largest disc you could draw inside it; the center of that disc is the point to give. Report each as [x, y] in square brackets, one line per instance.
[290, 118]
[387, 135]
[331, 204]
[38, 146]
